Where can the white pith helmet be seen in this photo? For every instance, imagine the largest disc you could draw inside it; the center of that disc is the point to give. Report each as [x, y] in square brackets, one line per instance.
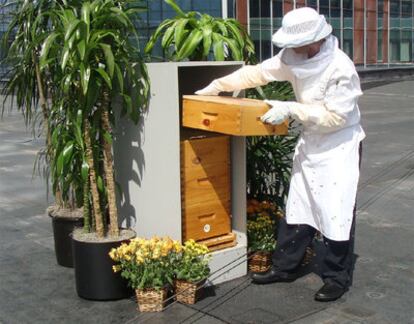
[301, 27]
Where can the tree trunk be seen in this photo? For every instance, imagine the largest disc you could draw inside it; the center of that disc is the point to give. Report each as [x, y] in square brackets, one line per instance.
[109, 171]
[86, 207]
[93, 182]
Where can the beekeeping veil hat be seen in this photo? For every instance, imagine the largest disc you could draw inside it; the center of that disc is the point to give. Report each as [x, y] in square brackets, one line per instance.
[301, 27]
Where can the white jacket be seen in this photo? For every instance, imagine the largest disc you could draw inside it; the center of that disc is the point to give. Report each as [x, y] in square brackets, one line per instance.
[326, 161]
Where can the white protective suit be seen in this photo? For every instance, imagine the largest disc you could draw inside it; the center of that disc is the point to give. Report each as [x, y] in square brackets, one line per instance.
[326, 161]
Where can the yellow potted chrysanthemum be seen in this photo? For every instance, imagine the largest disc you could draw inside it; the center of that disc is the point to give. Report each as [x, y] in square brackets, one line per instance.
[148, 266]
[191, 271]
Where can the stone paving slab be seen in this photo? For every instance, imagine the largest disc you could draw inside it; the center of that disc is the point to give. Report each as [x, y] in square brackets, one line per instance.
[34, 289]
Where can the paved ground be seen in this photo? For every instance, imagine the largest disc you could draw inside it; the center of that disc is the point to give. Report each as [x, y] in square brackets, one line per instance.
[33, 289]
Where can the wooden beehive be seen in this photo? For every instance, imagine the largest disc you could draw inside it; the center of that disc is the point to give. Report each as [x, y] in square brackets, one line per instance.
[205, 187]
[227, 115]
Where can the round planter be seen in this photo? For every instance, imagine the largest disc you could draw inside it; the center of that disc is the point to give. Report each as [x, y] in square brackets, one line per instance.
[95, 279]
[63, 224]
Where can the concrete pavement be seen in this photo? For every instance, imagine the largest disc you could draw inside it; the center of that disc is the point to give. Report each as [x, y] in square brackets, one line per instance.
[34, 289]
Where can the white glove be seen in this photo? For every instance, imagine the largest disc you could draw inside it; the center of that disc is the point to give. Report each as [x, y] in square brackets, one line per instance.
[210, 90]
[277, 114]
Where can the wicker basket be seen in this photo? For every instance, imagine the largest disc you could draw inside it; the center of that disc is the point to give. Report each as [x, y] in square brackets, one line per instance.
[260, 261]
[188, 292]
[151, 300]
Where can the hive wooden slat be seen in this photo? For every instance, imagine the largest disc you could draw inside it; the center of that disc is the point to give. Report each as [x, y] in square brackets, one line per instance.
[227, 115]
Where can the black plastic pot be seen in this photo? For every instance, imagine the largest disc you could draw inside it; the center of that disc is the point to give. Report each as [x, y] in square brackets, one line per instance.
[95, 279]
[62, 230]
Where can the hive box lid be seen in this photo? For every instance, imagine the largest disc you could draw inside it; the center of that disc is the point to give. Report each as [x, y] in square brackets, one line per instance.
[228, 115]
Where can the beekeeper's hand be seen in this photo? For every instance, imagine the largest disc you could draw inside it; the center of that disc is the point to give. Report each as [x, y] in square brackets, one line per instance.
[277, 114]
[210, 90]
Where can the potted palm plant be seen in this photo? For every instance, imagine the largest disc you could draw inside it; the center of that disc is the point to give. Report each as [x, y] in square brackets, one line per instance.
[99, 69]
[33, 93]
[197, 37]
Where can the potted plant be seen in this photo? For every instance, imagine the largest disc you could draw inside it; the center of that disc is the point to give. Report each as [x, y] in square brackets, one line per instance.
[197, 37]
[98, 70]
[191, 271]
[148, 266]
[261, 240]
[33, 93]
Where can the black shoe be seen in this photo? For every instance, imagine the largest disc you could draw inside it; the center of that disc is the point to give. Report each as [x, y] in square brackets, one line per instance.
[272, 275]
[329, 292]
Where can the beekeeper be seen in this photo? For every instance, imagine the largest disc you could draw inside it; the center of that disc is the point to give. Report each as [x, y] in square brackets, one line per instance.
[326, 160]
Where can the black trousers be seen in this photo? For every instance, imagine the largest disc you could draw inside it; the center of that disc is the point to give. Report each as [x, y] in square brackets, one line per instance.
[337, 263]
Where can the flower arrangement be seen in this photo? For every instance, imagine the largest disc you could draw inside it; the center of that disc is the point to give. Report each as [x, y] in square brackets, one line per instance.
[192, 263]
[147, 263]
[261, 225]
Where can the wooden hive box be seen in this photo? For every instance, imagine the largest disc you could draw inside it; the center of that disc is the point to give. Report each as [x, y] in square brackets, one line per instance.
[205, 187]
[228, 115]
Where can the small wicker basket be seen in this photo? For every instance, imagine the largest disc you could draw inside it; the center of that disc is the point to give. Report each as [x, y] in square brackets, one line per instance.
[151, 300]
[188, 292]
[260, 261]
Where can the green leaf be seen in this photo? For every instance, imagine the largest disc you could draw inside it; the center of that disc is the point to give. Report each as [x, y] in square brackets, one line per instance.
[120, 78]
[67, 152]
[190, 44]
[109, 57]
[86, 12]
[72, 27]
[85, 170]
[167, 38]
[65, 58]
[107, 137]
[207, 39]
[85, 76]
[81, 49]
[60, 164]
[180, 32]
[105, 76]
[45, 49]
[154, 37]
[218, 47]
[100, 183]
[176, 8]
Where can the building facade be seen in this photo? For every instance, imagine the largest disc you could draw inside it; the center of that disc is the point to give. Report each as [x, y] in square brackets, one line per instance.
[371, 32]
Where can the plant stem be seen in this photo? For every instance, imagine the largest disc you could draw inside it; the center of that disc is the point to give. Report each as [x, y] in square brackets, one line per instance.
[86, 207]
[93, 183]
[108, 169]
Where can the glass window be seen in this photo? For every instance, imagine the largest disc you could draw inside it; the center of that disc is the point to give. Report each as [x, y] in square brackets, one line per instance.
[254, 8]
[406, 8]
[335, 8]
[348, 42]
[379, 46]
[395, 8]
[312, 3]
[324, 7]
[348, 7]
[406, 46]
[395, 45]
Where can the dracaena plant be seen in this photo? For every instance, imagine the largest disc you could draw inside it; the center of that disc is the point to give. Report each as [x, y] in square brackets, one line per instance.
[31, 90]
[93, 53]
[196, 36]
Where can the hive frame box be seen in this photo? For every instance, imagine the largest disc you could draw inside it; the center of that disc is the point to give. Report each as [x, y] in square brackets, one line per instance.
[147, 163]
